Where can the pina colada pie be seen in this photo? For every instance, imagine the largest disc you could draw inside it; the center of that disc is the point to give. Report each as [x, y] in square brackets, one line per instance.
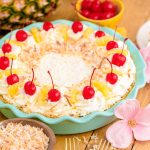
[61, 70]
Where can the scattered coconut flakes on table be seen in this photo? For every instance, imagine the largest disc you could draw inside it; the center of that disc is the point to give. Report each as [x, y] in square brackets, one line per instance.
[16, 136]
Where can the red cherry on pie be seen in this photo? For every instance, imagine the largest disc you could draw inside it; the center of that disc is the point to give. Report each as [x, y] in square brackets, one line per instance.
[77, 27]
[47, 25]
[99, 34]
[118, 59]
[4, 62]
[111, 45]
[54, 95]
[112, 78]
[88, 92]
[6, 48]
[30, 87]
[12, 78]
[21, 35]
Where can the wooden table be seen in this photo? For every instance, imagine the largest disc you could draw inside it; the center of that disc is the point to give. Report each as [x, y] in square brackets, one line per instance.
[136, 13]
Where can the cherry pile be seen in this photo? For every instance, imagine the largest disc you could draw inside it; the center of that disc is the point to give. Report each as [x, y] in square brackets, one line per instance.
[96, 10]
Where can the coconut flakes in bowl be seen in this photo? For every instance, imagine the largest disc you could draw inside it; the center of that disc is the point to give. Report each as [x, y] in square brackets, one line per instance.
[15, 136]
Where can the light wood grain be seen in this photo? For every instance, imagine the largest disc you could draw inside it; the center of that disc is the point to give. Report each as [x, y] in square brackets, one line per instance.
[136, 13]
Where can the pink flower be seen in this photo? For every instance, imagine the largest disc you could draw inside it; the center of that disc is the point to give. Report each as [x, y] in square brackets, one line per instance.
[146, 55]
[135, 123]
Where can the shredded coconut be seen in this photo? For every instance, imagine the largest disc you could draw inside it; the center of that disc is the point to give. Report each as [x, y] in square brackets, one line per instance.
[15, 136]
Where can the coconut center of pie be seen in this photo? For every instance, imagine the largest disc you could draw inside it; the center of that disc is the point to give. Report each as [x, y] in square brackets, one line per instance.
[66, 70]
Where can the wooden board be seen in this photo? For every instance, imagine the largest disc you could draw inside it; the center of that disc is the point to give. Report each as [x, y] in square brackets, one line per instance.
[136, 13]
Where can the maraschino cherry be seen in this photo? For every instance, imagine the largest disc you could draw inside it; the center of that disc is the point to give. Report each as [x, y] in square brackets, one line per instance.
[6, 48]
[4, 62]
[54, 95]
[108, 6]
[86, 4]
[112, 44]
[99, 33]
[29, 86]
[96, 6]
[85, 13]
[119, 59]
[94, 15]
[47, 25]
[88, 91]
[21, 35]
[107, 15]
[111, 77]
[12, 78]
[77, 27]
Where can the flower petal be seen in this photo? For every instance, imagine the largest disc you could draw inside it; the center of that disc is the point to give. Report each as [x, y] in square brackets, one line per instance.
[119, 134]
[142, 117]
[127, 110]
[141, 133]
[145, 52]
[146, 55]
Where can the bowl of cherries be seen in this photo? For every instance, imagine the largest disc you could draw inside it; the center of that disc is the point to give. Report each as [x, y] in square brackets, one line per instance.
[102, 12]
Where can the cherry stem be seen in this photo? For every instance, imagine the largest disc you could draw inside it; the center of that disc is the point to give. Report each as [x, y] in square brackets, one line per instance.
[10, 36]
[105, 58]
[99, 28]
[11, 66]
[124, 44]
[51, 78]
[115, 33]
[32, 76]
[4, 49]
[92, 76]
[67, 98]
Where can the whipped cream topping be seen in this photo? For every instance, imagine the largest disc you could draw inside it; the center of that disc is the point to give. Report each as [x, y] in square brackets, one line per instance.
[64, 69]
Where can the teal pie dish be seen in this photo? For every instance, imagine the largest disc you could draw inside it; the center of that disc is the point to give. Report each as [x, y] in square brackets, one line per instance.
[71, 125]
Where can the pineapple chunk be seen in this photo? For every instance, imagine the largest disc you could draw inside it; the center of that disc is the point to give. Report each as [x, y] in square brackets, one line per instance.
[113, 51]
[42, 96]
[36, 35]
[87, 32]
[13, 90]
[10, 56]
[64, 32]
[103, 41]
[16, 71]
[73, 98]
[13, 42]
[102, 87]
[1, 75]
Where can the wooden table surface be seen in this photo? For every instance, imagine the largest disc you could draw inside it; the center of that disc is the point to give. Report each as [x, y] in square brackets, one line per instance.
[136, 13]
